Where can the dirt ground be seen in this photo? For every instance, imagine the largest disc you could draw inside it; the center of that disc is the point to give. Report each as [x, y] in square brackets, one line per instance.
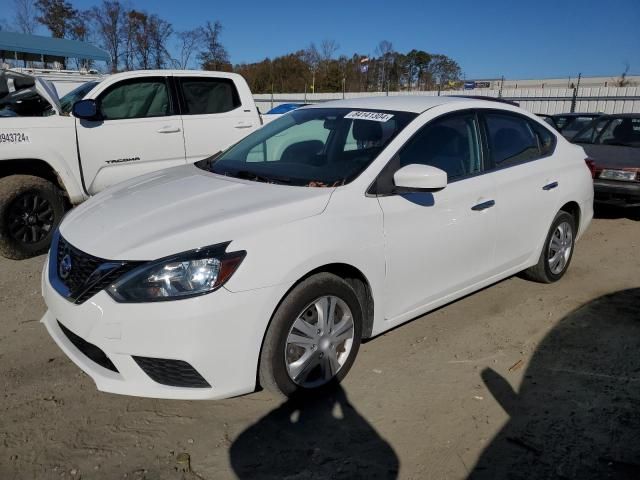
[520, 380]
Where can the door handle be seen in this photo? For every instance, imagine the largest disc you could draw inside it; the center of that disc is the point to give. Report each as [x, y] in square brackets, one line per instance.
[550, 186]
[168, 129]
[243, 125]
[483, 205]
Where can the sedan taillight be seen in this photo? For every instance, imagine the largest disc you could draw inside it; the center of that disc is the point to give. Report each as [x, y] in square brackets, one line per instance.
[591, 164]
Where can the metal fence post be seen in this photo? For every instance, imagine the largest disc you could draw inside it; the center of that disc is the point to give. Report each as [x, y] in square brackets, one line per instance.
[574, 98]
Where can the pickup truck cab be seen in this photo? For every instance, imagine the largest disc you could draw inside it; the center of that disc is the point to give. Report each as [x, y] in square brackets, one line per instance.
[56, 153]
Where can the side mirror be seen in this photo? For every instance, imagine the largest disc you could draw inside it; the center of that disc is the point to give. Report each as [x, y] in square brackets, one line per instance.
[419, 178]
[86, 110]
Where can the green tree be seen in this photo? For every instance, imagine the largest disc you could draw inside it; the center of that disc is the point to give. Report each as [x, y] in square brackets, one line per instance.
[57, 16]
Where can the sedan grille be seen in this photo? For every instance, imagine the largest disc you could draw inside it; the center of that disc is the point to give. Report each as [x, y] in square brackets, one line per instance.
[78, 276]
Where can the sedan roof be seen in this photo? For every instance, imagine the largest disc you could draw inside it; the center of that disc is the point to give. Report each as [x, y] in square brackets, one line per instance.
[404, 103]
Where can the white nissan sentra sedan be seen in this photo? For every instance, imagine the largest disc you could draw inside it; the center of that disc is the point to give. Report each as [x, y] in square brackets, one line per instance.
[268, 264]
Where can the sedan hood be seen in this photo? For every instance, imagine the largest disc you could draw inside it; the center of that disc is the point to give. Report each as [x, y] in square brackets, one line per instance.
[180, 209]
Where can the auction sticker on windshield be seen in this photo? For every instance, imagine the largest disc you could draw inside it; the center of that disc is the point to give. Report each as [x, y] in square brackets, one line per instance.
[14, 137]
[373, 116]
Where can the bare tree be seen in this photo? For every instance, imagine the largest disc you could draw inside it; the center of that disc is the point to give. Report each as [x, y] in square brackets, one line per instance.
[622, 80]
[159, 30]
[80, 28]
[214, 56]
[190, 42]
[26, 15]
[110, 20]
[384, 51]
[311, 57]
[327, 48]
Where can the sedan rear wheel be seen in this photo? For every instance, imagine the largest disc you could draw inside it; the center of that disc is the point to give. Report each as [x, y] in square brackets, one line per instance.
[557, 251]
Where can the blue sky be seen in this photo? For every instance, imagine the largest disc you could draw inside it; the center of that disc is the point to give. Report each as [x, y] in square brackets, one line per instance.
[488, 38]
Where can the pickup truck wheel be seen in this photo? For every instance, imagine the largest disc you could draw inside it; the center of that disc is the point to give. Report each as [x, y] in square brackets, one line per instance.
[313, 338]
[30, 210]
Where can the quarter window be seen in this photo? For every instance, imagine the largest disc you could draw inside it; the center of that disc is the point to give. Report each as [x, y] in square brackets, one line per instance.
[546, 140]
[511, 139]
[450, 144]
[209, 95]
[136, 99]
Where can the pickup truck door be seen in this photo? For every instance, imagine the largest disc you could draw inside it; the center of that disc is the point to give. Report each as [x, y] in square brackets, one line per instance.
[141, 131]
[213, 114]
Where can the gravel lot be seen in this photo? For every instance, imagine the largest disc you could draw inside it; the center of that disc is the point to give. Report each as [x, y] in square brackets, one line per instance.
[520, 380]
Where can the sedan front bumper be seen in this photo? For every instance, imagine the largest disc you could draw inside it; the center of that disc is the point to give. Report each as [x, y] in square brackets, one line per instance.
[204, 347]
[615, 192]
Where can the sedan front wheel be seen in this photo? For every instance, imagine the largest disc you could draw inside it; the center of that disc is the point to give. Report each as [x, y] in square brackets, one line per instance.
[313, 338]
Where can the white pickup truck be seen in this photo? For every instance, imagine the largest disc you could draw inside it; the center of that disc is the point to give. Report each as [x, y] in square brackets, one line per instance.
[55, 153]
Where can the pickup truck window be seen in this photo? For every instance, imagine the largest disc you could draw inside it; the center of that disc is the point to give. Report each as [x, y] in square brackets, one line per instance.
[208, 95]
[137, 98]
[78, 93]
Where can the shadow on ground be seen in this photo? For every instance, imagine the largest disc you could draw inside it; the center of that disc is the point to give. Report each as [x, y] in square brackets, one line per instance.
[320, 438]
[577, 413]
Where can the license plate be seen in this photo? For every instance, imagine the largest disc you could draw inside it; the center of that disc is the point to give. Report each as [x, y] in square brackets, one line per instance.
[618, 175]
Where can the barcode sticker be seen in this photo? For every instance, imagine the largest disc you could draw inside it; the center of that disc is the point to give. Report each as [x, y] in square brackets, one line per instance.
[373, 116]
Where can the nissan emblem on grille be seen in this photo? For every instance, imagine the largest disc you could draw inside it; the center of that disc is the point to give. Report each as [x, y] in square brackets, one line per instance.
[64, 270]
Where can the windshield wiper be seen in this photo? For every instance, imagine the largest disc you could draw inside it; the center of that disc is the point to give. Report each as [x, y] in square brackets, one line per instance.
[206, 163]
[248, 175]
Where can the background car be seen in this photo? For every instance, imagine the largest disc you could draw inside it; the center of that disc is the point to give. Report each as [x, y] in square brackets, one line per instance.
[280, 110]
[548, 118]
[568, 124]
[284, 108]
[613, 145]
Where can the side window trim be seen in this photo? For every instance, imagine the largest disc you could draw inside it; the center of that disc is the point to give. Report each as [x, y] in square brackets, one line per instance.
[175, 96]
[484, 111]
[382, 184]
[172, 104]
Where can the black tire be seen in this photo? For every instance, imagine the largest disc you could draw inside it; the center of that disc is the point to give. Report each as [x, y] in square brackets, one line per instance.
[30, 210]
[542, 272]
[273, 372]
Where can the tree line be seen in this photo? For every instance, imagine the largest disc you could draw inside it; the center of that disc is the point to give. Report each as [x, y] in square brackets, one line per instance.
[316, 69]
[134, 38]
[137, 39]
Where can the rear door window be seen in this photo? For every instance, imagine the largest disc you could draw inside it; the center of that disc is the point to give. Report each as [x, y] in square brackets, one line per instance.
[511, 139]
[204, 96]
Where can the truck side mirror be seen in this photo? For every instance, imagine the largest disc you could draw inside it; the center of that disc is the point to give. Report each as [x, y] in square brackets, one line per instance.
[86, 110]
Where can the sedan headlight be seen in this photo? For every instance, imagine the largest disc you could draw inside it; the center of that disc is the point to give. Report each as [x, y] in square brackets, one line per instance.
[180, 276]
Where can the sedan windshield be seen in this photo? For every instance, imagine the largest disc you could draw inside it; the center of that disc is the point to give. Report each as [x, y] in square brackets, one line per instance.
[314, 147]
